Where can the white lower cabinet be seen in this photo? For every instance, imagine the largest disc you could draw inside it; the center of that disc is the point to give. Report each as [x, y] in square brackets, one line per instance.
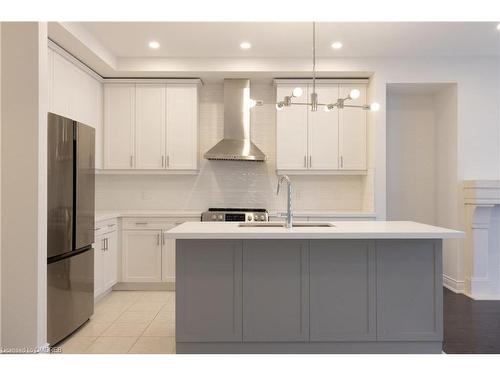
[168, 258]
[98, 266]
[105, 257]
[110, 260]
[147, 255]
[141, 256]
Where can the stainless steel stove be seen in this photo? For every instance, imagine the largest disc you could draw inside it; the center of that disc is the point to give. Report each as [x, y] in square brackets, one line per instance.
[235, 214]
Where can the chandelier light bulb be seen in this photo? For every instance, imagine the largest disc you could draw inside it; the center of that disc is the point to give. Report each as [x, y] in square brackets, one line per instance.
[326, 109]
[337, 45]
[297, 92]
[279, 106]
[154, 44]
[374, 107]
[354, 94]
[251, 103]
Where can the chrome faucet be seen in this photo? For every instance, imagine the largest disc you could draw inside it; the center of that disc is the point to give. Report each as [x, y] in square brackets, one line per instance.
[289, 214]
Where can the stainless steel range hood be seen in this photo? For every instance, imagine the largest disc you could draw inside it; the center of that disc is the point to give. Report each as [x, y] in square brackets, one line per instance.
[236, 144]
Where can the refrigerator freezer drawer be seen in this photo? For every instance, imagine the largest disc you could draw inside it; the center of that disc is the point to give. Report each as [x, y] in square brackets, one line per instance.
[70, 294]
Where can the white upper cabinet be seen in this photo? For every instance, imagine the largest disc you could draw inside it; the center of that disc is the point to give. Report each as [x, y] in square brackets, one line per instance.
[182, 127]
[149, 126]
[76, 94]
[321, 142]
[323, 131]
[352, 131]
[291, 132]
[61, 89]
[119, 125]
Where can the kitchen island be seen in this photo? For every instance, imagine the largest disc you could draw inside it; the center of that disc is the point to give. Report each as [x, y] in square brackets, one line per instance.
[340, 287]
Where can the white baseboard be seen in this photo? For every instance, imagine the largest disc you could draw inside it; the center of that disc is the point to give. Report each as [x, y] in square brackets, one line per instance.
[455, 286]
[165, 286]
[102, 295]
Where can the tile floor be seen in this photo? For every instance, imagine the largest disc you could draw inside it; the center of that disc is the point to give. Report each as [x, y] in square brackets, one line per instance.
[127, 322]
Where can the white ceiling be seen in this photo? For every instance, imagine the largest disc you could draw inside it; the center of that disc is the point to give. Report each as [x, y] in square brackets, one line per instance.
[293, 39]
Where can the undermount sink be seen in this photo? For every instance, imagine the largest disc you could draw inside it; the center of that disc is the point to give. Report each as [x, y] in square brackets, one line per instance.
[283, 225]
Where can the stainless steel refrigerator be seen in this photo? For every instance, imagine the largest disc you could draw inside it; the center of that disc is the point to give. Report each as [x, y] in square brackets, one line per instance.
[70, 226]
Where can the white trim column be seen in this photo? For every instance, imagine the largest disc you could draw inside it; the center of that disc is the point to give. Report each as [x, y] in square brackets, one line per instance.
[480, 198]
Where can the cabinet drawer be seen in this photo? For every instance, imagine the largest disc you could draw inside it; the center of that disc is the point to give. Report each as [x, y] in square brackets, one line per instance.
[141, 223]
[105, 226]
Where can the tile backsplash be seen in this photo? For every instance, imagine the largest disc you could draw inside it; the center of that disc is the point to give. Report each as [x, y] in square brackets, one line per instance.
[230, 183]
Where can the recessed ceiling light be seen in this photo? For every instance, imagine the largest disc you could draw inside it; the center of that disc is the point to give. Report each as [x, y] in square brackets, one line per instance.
[245, 45]
[154, 44]
[336, 45]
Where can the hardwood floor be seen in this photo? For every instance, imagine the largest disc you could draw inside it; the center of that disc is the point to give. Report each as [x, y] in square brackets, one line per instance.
[470, 326]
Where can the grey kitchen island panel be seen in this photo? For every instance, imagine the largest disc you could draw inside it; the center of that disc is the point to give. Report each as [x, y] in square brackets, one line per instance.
[346, 347]
[208, 290]
[409, 290]
[275, 290]
[309, 296]
[342, 290]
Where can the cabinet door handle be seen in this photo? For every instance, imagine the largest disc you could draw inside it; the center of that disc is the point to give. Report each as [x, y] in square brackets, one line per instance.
[310, 161]
[168, 160]
[341, 162]
[163, 161]
[141, 223]
[107, 247]
[163, 238]
[158, 239]
[131, 160]
[103, 244]
[111, 225]
[305, 161]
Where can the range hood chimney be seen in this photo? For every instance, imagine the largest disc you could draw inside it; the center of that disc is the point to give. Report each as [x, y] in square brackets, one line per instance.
[236, 144]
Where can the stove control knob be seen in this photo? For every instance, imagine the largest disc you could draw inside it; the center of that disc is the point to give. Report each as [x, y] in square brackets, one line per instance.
[214, 217]
[249, 217]
[219, 217]
[262, 217]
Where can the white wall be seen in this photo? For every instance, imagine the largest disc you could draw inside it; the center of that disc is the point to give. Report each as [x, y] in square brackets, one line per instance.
[231, 183]
[422, 183]
[478, 134]
[23, 179]
[410, 157]
[449, 202]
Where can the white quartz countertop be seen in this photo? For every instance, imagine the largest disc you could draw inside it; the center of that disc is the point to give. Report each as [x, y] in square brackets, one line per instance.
[340, 230]
[327, 214]
[104, 215]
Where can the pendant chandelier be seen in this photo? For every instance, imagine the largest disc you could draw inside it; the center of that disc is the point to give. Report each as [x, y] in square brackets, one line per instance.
[314, 104]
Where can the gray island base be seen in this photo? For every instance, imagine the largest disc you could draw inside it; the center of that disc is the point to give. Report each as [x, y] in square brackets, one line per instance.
[309, 295]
